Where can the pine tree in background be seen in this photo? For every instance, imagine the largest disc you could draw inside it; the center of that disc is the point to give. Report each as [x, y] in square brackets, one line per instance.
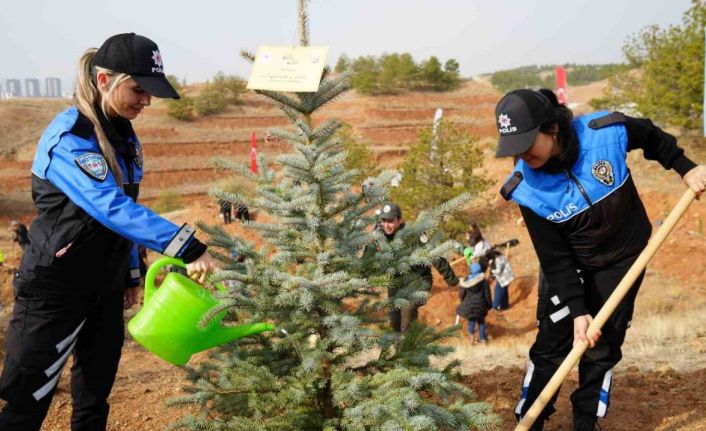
[442, 164]
[334, 364]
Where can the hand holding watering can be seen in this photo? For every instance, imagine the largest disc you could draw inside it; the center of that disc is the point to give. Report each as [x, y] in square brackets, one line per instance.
[168, 324]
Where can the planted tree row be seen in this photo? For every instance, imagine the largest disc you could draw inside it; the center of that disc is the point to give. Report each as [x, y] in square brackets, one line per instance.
[213, 98]
[393, 73]
[543, 76]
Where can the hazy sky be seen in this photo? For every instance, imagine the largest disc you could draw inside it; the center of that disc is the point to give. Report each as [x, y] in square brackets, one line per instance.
[40, 38]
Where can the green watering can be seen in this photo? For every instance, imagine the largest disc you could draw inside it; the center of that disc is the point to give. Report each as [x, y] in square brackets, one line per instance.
[168, 324]
[468, 254]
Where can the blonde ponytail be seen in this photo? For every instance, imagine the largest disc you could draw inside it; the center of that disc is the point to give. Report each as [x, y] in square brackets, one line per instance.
[86, 97]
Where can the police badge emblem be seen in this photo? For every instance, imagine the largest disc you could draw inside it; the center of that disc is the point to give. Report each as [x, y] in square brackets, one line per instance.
[602, 170]
[94, 165]
[139, 158]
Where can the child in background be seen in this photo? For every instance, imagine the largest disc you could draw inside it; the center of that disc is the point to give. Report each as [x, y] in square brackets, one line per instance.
[502, 272]
[475, 300]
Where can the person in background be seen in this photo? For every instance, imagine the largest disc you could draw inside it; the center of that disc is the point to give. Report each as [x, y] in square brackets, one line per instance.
[242, 213]
[418, 277]
[588, 226]
[476, 241]
[475, 300]
[226, 211]
[502, 273]
[81, 268]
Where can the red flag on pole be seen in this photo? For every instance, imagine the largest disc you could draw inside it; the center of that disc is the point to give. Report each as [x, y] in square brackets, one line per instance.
[253, 154]
[561, 85]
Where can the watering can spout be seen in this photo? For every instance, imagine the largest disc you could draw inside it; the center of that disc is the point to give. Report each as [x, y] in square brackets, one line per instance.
[223, 335]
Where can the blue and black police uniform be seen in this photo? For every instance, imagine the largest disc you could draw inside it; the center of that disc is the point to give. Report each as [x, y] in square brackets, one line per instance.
[70, 286]
[588, 225]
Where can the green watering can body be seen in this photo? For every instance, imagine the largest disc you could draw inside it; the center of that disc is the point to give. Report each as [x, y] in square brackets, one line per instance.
[168, 324]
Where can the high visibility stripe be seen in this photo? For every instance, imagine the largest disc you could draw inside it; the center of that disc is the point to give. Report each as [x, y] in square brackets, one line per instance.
[604, 398]
[135, 273]
[184, 234]
[558, 315]
[555, 300]
[44, 390]
[525, 387]
[61, 361]
[68, 340]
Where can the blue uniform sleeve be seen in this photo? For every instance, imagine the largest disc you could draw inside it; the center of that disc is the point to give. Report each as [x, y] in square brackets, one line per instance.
[134, 266]
[96, 192]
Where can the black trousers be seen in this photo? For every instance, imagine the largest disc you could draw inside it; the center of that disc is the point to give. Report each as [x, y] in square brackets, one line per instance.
[43, 331]
[401, 319]
[555, 340]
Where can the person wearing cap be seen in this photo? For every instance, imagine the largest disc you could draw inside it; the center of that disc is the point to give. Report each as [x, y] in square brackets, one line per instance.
[419, 278]
[82, 266]
[587, 224]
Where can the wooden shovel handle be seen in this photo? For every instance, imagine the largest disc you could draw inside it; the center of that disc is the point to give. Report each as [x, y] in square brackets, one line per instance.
[608, 308]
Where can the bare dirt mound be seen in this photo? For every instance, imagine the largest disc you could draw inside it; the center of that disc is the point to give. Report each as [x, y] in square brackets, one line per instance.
[660, 400]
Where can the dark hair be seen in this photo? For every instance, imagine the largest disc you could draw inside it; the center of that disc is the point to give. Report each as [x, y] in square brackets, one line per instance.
[475, 234]
[566, 135]
[493, 253]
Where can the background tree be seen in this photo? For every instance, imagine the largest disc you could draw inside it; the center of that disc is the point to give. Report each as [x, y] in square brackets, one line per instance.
[431, 73]
[334, 365]
[451, 77]
[343, 64]
[408, 71]
[430, 178]
[359, 158]
[230, 86]
[452, 65]
[667, 83]
[213, 98]
[388, 80]
[210, 101]
[392, 73]
[365, 74]
[183, 108]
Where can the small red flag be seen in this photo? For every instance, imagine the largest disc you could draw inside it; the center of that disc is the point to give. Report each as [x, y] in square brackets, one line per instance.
[253, 154]
[561, 85]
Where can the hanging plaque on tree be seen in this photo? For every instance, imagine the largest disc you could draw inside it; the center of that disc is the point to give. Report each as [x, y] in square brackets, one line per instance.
[288, 68]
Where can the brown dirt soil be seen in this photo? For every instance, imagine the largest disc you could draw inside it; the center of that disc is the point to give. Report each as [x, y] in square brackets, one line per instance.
[647, 396]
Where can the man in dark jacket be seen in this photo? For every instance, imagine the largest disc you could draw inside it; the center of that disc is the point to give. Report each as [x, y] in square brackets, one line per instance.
[418, 277]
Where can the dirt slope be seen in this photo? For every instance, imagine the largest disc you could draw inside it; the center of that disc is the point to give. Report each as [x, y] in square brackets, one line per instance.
[659, 385]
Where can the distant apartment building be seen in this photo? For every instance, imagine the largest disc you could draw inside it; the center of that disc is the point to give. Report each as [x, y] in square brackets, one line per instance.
[53, 87]
[14, 87]
[32, 87]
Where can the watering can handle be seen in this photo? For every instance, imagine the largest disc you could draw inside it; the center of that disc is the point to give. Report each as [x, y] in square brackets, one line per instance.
[154, 270]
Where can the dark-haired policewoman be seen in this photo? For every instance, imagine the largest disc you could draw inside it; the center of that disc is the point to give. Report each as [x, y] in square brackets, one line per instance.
[587, 224]
[82, 268]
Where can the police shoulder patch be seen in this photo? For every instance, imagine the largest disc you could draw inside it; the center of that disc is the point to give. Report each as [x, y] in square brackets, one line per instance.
[93, 165]
[602, 170]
